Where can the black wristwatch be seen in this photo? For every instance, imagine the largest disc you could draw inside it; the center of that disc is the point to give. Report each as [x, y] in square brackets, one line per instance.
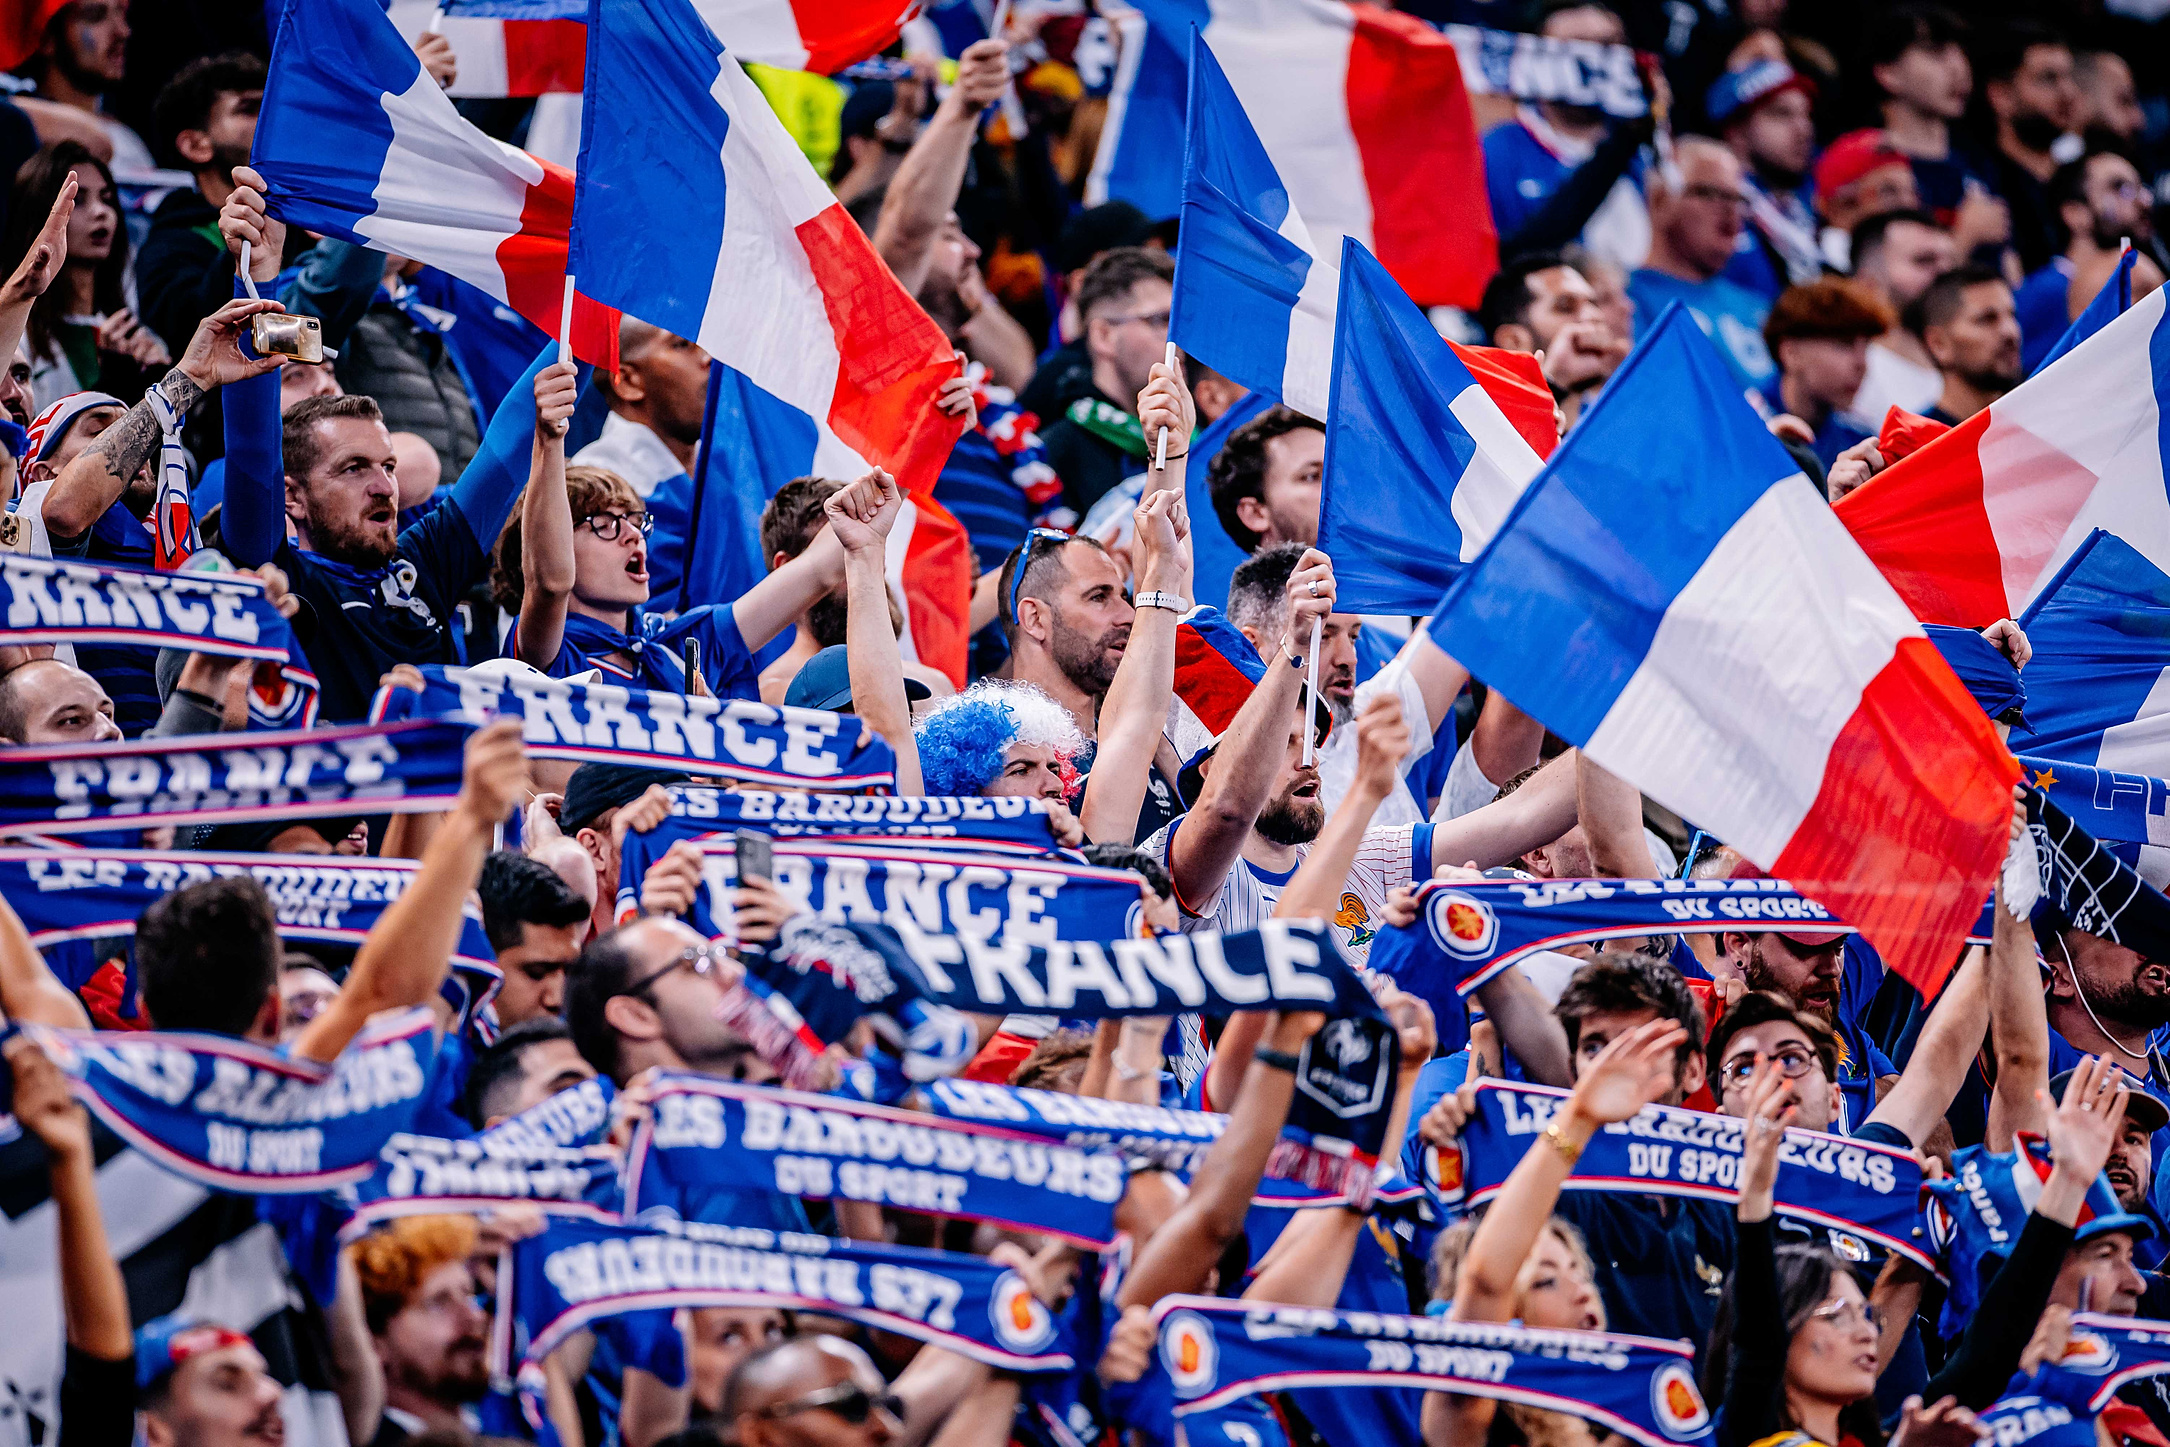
[1275, 1059]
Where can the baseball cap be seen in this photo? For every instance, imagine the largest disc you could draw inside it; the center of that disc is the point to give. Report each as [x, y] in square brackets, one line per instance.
[1852, 156]
[825, 682]
[2143, 1107]
[1738, 92]
[50, 426]
[1100, 228]
[868, 102]
[596, 789]
[162, 1345]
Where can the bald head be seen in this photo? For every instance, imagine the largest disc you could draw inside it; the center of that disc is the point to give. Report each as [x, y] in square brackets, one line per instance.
[661, 383]
[790, 1370]
[1696, 220]
[50, 702]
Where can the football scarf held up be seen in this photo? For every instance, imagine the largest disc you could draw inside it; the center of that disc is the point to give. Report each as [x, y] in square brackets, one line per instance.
[609, 723]
[1828, 1180]
[705, 1132]
[52, 600]
[396, 768]
[1214, 1351]
[1543, 68]
[234, 1116]
[578, 1115]
[2102, 1354]
[575, 1272]
[425, 1175]
[988, 826]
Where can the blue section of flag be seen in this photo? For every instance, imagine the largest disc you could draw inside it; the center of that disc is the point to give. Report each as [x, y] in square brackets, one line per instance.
[1612, 530]
[2115, 808]
[1236, 277]
[1215, 556]
[322, 132]
[2101, 636]
[751, 445]
[1394, 449]
[1152, 109]
[2108, 305]
[518, 9]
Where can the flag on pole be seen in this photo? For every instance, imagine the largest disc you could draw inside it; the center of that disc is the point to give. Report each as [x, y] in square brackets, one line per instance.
[1970, 527]
[2111, 302]
[2098, 688]
[1361, 112]
[356, 141]
[697, 212]
[1426, 439]
[1696, 620]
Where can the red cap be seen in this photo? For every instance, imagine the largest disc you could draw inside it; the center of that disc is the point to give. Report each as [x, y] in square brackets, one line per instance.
[1852, 156]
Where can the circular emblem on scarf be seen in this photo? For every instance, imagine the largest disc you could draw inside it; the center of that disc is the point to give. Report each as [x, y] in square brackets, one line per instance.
[1675, 1402]
[1464, 926]
[1022, 1323]
[1188, 1351]
[2089, 1353]
[1442, 1167]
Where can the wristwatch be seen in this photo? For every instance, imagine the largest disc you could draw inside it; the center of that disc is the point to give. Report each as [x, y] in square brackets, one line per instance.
[1170, 601]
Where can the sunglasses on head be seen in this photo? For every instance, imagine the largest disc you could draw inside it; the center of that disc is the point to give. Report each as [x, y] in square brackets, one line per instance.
[850, 1401]
[1025, 551]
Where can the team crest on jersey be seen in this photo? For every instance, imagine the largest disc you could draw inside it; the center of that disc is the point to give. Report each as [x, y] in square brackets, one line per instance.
[1356, 919]
[1188, 1351]
[2089, 1353]
[1021, 1322]
[1464, 926]
[1442, 1167]
[1676, 1403]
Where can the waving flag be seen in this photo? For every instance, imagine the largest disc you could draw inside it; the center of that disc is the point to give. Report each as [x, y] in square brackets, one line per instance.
[1361, 112]
[1969, 528]
[763, 268]
[2098, 688]
[1711, 635]
[356, 141]
[1425, 440]
[1215, 670]
[2113, 301]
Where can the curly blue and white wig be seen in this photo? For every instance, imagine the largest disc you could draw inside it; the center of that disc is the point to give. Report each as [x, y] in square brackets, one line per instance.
[964, 740]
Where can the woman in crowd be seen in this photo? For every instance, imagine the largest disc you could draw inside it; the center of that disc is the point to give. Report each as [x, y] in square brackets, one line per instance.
[82, 333]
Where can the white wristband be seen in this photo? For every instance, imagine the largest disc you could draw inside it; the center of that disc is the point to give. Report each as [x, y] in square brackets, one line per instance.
[1169, 601]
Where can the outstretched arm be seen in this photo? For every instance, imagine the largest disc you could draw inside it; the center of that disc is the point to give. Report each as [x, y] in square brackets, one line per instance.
[2018, 1027]
[403, 960]
[1506, 829]
[35, 272]
[546, 524]
[1938, 1067]
[94, 1301]
[860, 517]
[29, 991]
[925, 186]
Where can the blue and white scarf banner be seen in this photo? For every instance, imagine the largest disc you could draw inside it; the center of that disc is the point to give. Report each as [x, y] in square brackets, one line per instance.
[396, 768]
[703, 1131]
[2102, 1354]
[2113, 807]
[987, 826]
[609, 723]
[74, 894]
[425, 1175]
[234, 1116]
[1541, 68]
[578, 1115]
[575, 1272]
[1001, 900]
[1465, 934]
[1829, 1180]
[1214, 1351]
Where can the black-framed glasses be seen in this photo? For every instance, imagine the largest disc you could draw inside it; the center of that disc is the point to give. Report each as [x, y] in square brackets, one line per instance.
[1794, 1061]
[704, 958]
[848, 1400]
[1025, 552]
[609, 525]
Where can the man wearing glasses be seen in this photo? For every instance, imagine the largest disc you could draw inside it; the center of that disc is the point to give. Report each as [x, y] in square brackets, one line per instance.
[815, 1391]
[1695, 227]
[1122, 303]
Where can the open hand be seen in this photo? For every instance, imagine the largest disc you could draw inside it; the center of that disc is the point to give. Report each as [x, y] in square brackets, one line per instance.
[48, 249]
[1633, 1071]
[2084, 1126]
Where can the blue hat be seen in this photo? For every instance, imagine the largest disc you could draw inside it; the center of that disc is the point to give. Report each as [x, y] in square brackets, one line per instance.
[1987, 673]
[162, 1345]
[825, 682]
[1739, 91]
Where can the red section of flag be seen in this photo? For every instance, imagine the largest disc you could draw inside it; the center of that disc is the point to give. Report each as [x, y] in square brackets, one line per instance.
[937, 588]
[22, 29]
[1431, 224]
[1923, 522]
[1210, 684]
[542, 56]
[1905, 433]
[837, 33]
[1515, 381]
[1912, 820]
[533, 261]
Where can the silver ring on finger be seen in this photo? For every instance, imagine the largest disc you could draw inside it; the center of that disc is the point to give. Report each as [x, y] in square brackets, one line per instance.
[1313, 585]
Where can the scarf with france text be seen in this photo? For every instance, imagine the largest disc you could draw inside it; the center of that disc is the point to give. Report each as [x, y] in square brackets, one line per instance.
[575, 1272]
[1345, 1073]
[986, 826]
[396, 768]
[1828, 1180]
[710, 1132]
[234, 1116]
[610, 723]
[1213, 1351]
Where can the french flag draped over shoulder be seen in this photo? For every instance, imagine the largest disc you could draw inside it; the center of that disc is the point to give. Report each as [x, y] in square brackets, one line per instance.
[1969, 528]
[1361, 111]
[698, 213]
[1698, 622]
[356, 141]
[1426, 439]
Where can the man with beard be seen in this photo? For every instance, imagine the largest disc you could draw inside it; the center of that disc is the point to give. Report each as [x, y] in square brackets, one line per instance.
[2099, 200]
[205, 116]
[1067, 620]
[1766, 115]
[2028, 80]
[82, 55]
[1967, 322]
[427, 1323]
[1897, 254]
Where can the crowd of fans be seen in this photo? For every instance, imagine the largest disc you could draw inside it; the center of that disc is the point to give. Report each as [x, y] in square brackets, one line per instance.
[1866, 207]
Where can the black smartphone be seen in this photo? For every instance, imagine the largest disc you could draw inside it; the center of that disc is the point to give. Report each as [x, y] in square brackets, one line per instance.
[756, 855]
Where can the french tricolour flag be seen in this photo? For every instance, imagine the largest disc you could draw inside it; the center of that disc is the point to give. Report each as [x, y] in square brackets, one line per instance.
[697, 212]
[1696, 619]
[1361, 112]
[1970, 527]
[356, 141]
[534, 47]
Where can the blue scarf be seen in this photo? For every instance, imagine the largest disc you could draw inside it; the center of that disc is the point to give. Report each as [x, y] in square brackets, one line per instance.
[656, 668]
[706, 1132]
[989, 826]
[1466, 934]
[237, 1117]
[395, 768]
[2102, 1354]
[578, 1115]
[609, 723]
[1827, 1180]
[1214, 1351]
[418, 1175]
[575, 1272]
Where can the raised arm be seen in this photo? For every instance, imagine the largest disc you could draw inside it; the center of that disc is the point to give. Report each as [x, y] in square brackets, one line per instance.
[94, 1300]
[1506, 829]
[35, 272]
[403, 960]
[1611, 811]
[1938, 1067]
[546, 524]
[925, 187]
[1382, 738]
[860, 517]
[29, 991]
[1505, 740]
[2018, 1029]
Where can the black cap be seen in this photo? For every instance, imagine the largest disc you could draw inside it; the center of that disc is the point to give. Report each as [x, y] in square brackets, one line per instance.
[2140, 1105]
[596, 789]
[868, 102]
[825, 682]
[1100, 228]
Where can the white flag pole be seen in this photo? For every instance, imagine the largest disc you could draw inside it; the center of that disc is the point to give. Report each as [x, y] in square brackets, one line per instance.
[565, 323]
[1160, 462]
[1311, 694]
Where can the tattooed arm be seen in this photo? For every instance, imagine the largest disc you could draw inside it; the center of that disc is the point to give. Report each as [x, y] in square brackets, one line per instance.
[99, 474]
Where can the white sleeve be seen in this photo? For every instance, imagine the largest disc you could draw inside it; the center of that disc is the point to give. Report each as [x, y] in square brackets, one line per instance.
[1466, 789]
[1421, 724]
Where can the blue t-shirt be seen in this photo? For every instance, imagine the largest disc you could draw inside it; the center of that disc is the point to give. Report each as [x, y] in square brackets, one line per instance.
[1521, 172]
[1730, 315]
[1661, 1260]
[127, 672]
[2043, 302]
[657, 647]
